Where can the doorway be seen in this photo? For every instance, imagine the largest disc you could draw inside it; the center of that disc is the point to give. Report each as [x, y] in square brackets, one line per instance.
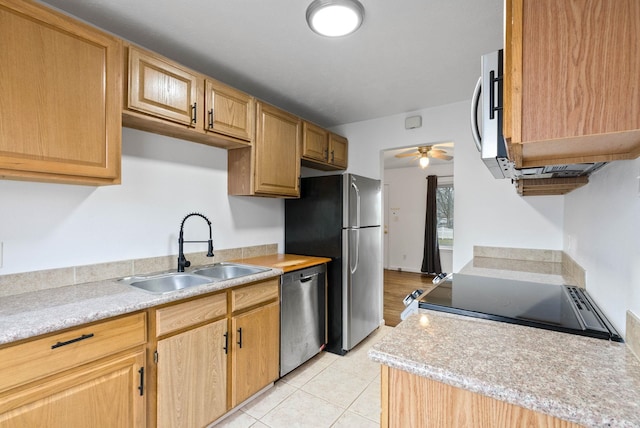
[404, 207]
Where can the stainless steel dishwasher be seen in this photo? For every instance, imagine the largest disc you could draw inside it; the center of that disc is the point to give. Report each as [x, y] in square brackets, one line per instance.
[302, 316]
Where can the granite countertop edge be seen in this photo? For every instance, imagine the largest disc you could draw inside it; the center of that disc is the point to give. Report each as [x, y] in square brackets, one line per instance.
[27, 315]
[396, 351]
[502, 393]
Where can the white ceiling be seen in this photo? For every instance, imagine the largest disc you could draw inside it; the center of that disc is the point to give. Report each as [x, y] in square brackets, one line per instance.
[408, 54]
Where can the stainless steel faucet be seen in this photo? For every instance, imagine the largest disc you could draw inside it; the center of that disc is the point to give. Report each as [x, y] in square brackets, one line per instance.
[182, 261]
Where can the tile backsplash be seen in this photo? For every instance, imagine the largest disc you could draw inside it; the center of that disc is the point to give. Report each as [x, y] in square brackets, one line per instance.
[19, 283]
[632, 336]
[548, 262]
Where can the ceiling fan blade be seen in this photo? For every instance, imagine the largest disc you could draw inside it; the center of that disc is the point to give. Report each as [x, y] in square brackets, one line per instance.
[406, 155]
[438, 151]
[440, 156]
[449, 144]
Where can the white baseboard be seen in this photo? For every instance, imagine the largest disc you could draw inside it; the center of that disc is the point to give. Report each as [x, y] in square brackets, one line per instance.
[404, 269]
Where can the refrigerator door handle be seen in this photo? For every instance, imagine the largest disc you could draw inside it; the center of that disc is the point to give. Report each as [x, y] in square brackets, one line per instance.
[355, 259]
[357, 203]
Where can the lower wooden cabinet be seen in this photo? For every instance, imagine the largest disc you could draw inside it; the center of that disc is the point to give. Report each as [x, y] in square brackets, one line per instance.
[192, 377]
[92, 375]
[202, 357]
[411, 401]
[256, 351]
[103, 394]
[211, 353]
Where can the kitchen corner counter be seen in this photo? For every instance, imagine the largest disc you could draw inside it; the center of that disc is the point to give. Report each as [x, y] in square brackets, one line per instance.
[286, 262]
[592, 382]
[31, 314]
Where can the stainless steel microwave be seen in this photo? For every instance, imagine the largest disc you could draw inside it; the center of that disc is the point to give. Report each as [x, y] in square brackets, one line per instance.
[486, 123]
[486, 128]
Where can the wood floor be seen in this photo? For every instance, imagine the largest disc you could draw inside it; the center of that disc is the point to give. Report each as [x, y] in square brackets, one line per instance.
[396, 286]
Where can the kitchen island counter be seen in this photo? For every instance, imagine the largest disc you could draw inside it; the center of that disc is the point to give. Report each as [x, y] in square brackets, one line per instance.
[591, 382]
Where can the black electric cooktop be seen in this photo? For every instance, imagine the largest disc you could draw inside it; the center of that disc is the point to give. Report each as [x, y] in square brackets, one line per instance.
[555, 307]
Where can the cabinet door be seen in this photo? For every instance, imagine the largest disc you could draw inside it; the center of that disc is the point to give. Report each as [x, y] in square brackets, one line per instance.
[338, 149]
[277, 152]
[572, 81]
[315, 142]
[228, 111]
[162, 88]
[60, 98]
[256, 351]
[192, 377]
[104, 394]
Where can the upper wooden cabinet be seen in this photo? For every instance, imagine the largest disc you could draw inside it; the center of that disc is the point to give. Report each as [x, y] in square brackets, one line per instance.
[228, 111]
[322, 149]
[162, 88]
[167, 98]
[271, 167]
[338, 151]
[60, 102]
[572, 81]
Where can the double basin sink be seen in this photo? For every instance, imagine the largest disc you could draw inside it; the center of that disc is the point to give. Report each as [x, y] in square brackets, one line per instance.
[174, 281]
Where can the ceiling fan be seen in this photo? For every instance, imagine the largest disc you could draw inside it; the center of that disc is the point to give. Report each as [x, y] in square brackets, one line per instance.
[423, 153]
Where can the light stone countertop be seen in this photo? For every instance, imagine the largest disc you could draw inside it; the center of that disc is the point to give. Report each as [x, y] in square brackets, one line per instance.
[39, 312]
[592, 382]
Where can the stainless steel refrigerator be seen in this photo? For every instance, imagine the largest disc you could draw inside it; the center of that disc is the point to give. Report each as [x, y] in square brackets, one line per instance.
[339, 216]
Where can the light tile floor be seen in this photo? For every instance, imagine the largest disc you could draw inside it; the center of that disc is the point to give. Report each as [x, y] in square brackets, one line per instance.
[327, 391]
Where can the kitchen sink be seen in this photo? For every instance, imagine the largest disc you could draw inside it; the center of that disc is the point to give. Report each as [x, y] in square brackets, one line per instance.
[174, 281]
[221, 271]
[166, 283]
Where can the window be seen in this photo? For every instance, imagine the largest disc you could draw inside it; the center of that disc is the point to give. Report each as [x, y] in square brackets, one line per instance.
[444, 209]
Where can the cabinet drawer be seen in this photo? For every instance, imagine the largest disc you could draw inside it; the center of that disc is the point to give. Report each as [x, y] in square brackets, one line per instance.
[190, 313]
[246, 297]
[35, 359]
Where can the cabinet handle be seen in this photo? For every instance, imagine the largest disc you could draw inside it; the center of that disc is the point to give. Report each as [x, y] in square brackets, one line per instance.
[211, 119]
[69, 342]
[325, 154]
[194, 117]
[240, 337]
[492, 95]
[333, 157]
[141, 386]
[226, 343]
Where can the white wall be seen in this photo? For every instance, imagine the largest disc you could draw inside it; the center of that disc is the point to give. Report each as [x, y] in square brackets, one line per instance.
[46, 225]
[406, 217]
[602, 234]
[487, 211]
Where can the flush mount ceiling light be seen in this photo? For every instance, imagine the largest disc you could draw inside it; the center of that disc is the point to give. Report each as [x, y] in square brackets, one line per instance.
[335, 18]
